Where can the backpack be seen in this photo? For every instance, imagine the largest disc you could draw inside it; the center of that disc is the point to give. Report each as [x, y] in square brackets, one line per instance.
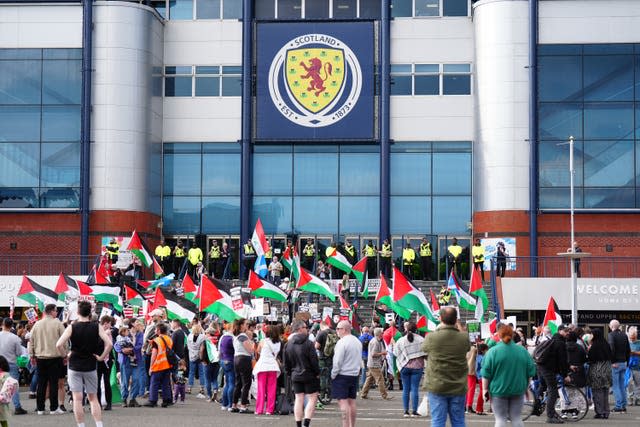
[330, 344]
[543, 351]
[172, 357]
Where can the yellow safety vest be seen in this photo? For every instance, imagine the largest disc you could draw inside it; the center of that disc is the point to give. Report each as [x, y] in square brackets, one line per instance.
[178, 252]
[455, 250]
[369, 251]
[248, 250]
[425, 250]
[214, 253]
[408, 256]
[478, 253]
[113, 249]
[386, 251]
[444, 296]
[351, 250]
[308, 251]
[195, 255]
[163, 252]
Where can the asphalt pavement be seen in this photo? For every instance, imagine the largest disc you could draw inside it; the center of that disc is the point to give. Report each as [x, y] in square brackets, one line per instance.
[373, 412]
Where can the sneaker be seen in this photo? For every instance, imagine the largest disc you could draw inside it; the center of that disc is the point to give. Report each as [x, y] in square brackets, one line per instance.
[107, 407]
[32, 395]
[230, 409]
[363, 396]
[40, 412]
[619, 410]
[414, 414]
[245, 411]
[62, 408]
[150, 405]
[133, 403]
[224, 408]
[387, 398]
[406, 414]
[57, 412]
[20, 411]
[201, 396]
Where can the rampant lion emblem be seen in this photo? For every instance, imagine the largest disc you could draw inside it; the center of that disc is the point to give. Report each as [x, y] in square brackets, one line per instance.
[314, 71]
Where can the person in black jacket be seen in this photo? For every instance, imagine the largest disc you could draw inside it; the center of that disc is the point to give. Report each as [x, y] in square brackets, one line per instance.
[302, 367]
[599, 376]
[621, 352]
[555, 364]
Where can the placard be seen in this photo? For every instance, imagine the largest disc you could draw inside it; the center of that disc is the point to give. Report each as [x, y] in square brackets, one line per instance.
[389, 317]
[473, 328]
[32, 315]
[327, 312]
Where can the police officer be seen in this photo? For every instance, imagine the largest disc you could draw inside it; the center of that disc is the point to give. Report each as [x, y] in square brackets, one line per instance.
[113, 248]
[195, 257]
[477, 251]
[371, 252]
[385, 258]
[179, 255]
[408, 258]
[445, 295]
[350, 252]
[215, 258]
[309, 255]
[163, 255]
[453, 254]
[425, 259]
[249, 258]
[268, 255]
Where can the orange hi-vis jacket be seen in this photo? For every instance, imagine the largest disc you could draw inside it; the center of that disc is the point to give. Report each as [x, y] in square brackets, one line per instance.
[161, 363]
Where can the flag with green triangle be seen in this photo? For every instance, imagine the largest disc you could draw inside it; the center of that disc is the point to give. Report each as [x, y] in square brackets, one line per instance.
[552, 317]
[384, 297]
[36, 294]
[477, 289]
[359, 269]
[408, 296]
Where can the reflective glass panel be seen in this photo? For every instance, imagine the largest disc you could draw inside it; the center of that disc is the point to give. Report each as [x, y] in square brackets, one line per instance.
[359, 173]
[221, 174]
[315, 173]
[637, 73]
[455, 8]
[231, 86]
[609, 164]
[275, 213]
[272, 173]
[62, 82]
[59, 197]
[609, 120]
[456, 84]
[315, 215]
[181, 214]
[427, 85]
[359, 215]
[180, 9]
[182, 174]
[232, 9]
[410, 215]
[20, 82]
[560, 121]
[60, 123]
[208, 9]
[400, 85]
[410, 173]
[560, 197]
[608, 78]
[60, 165]
[452, 173]
[221, 215]
[456, 68]
[560, 78]
[264, 9]
[18, 198]
[317, 9]
[18, 123]
[19, 164]
[451, 215]
[370, 9]
[344, 9]
[207, 86]
[609, 198]
[554, 164]
[177, 86]
[427, 7]
[401, 8]
[289, 9]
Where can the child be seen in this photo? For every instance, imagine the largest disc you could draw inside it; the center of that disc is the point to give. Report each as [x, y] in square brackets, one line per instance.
[8, 387]
[180, 381]
[124, 341]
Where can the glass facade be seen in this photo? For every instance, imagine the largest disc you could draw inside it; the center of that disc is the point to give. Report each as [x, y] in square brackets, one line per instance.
[40, 97]
[429, 8]
[430, 79]
[205, 80]
[317, 9]
[590, 92]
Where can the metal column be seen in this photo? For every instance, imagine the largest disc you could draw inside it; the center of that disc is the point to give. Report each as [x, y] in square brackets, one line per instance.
[533, 133]
[85, 131]
[385, 89]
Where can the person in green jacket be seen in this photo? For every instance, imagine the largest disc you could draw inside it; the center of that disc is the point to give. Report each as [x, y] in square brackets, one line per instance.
[446, 374]
[506, 370]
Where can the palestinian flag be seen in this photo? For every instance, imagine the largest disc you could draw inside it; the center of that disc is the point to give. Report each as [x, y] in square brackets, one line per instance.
[338, 260]
[310, 283]
[384, 297]
[434, 301]
[552, 317]
[190, 289]
[157, 269]
[138, 249]
[425, 325]
[143, 283]
[132, 297]
[177, 307]
[36, 294]
[97, 276]
[264, 289]
[359, 270]
[408, 296]
[102, 267]
[365, 288]
[216, 301]
[286, 258]
[66, 287]
[108, 294]
[465, 300]
[476, 289]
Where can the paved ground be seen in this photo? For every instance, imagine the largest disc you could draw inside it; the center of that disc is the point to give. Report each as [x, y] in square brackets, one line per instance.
[373, 412]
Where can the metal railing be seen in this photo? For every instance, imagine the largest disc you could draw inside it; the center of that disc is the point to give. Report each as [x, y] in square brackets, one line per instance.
[45, 265]
[556, 266]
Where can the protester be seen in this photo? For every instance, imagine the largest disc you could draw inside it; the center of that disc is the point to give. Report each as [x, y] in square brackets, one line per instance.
[634, 363]
[446, 373]
[243, 347]
[344, 373]
[9, 386]
[89, 343]
[210, 358]
[377, 353]
[555, 364]
[180, 382]
[599, 376]
[225, 346]
[138, 372]
[11, 348]
[160, 369]
[302, 367]
[620, 351]
[194, 342]
[410, 361]
[104, 367]
[124, 348]
[506, 370]
[365, 338]
[475, 356]
[267, 370]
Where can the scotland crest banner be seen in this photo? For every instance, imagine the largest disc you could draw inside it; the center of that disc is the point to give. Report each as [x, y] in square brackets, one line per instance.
[315, 81]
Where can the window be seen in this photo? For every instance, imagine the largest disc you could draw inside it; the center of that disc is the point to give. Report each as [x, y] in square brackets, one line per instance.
[437, 7]
[317, 9]
[431, 79]
[345, 9]
[210, 80]
[289, 9]
[427, 8]
[186, 10]
[401, 8]
[208, 9]
[180, 10]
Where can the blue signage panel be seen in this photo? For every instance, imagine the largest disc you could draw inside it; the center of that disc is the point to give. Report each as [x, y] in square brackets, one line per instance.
[315, 81]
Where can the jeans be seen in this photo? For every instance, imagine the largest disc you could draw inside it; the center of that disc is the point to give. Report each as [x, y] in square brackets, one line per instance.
[193, 366]
[15, 374]
[138, 380]
[552, 390]
[363, 371]
[229, 382]
[410, 386]
[507, 408]
[619, 391]
[34, 378]
[125, 375]
[441, 406]
[160, 379]
[211, 378]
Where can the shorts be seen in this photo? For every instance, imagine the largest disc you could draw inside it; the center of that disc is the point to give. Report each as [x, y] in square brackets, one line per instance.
[79, 381]
[307, 387]
[344, 387]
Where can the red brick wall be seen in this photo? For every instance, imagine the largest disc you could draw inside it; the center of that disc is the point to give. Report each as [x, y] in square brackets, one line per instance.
[504, 224]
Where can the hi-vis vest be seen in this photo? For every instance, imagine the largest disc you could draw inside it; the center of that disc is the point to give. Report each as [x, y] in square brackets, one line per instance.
[308, 251]
[163, 252]
[214, 253]
[248, 249]
[112, 250]
[386, 251]
[178, 252]
[350, 250]
[195, 255]
[161, 363]
[425, 250]
[369, 251]
[408, 256]
[455, 250]
[478, 253]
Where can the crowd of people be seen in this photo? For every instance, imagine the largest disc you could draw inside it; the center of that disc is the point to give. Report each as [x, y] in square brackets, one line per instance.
[159, 361]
